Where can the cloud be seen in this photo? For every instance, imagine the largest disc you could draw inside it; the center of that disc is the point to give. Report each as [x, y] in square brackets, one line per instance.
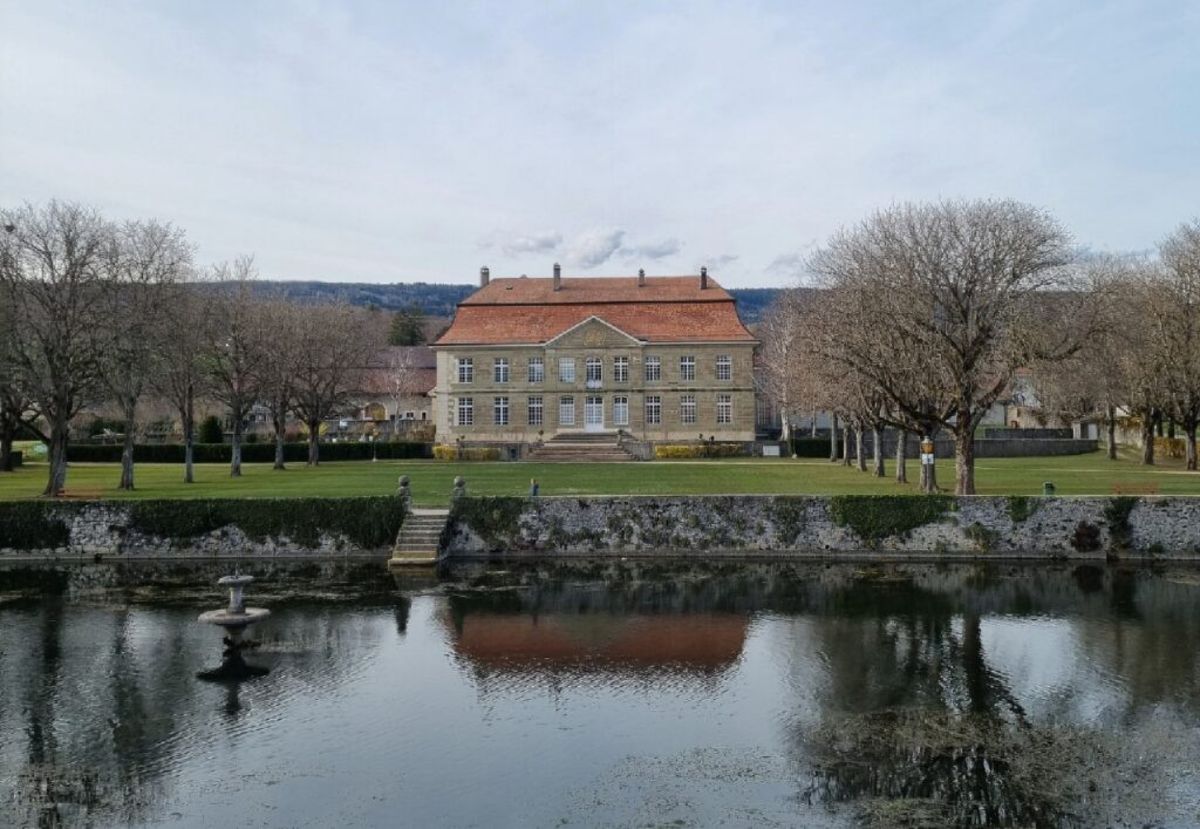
[652, 250]
[720, 260]
[594, 247]
[532, 243]
[788, 264]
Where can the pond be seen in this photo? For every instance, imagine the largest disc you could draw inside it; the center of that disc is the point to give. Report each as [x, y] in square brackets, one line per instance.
[620, 694]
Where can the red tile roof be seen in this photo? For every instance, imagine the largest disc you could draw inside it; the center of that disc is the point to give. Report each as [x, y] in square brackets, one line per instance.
[529, 310]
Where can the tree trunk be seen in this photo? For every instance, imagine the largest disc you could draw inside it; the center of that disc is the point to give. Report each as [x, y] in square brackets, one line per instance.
[127, 448]
[860, 454]
[314, 435]
[1189, 434]
[235, 459]
[1111, 417]
[57, 459]
[833, 441]
[928, 478]
[188, 421]
[877, 443]
[279, 423]
[813, 428]
[6, 452]
[901, 456]
[846, 445]
[1148, 440]
[964, 458]
[785, 427]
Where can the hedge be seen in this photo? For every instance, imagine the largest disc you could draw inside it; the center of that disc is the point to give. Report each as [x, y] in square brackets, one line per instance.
[811, 447]
[32, 525]
[875, 517]
[445, 452]
[251, 453]
[696, 450]
[369, 522]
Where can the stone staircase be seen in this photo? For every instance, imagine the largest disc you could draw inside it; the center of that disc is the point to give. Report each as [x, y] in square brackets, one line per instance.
[417, 543]
[575, 447]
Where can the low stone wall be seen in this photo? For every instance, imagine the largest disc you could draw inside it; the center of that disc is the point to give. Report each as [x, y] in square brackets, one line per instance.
[799, 526]
[229, 528]
[1000, 432]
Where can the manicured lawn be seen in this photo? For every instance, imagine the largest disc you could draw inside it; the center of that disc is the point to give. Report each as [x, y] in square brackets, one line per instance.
[431, 480]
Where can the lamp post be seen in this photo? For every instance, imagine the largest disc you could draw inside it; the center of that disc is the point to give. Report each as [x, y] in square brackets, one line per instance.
[374, 457]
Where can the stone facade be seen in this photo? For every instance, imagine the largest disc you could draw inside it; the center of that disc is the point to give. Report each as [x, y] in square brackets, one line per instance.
[806, 526]
[503, 384]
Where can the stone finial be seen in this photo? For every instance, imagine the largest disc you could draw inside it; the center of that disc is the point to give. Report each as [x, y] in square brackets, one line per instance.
[460, 487]
[403, 490]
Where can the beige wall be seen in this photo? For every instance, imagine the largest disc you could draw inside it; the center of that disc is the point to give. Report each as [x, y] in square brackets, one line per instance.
[594, 339]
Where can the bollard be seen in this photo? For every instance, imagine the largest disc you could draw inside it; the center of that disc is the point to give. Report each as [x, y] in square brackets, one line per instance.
[1048, 488]
[533, 488]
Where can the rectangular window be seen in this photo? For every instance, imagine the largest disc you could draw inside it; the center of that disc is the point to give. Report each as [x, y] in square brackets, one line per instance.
[653, 409]
[537, 370]
[535, 411]
[566, 370]
[621, 411]
[466, 370]
[466, 411]
[593, 369]
[724, 408]
[500, 370]
[653, 369]
[687, 369]
[566, 411]
[724, 367]
[621, 369]
[500, 411]
[687, 408]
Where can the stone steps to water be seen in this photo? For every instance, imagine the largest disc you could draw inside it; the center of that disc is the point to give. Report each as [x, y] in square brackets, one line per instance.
[418, 540]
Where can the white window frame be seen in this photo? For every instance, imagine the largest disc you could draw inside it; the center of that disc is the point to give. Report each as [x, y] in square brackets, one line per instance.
[653, 369]
[500, 416]
[593, 372]
[566, 369]
[687, 369]
[536, 370]
[620, 410]
[724, 409]
[653, 410]
[466, 369]
[724, 367]
[687, 409]
[566, 403]
[620, 369]
[464, 411]
[535, 410]
[500, 370]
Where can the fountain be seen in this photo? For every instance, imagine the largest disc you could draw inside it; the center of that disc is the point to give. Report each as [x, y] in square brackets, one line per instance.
[234, 619]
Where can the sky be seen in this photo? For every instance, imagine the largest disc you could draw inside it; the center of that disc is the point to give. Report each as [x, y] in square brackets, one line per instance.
[398, 142]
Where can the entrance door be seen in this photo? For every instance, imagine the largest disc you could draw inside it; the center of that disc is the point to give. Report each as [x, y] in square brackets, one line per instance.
[593, 414]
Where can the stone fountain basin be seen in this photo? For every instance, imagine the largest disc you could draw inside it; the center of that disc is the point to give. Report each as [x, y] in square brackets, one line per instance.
[234, 619]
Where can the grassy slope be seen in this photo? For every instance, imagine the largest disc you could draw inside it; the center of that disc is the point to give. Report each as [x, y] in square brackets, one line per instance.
[1078, 475]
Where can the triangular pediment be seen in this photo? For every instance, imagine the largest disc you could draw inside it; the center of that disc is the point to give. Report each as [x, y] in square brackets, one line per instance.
[593, 332]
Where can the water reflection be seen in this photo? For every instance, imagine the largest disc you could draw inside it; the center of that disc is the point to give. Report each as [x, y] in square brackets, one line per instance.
[623, 695]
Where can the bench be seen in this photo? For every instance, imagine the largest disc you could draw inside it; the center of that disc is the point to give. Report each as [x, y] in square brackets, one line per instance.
[1135, 489]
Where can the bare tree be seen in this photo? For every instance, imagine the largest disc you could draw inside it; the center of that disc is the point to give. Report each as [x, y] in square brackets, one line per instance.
[1175, 309]
[183, 342]
[334, 344]
[141, 261]
[234, 350]
[279, 367]
[960, 283]
[50, 271]
[782, 358]
[17, 411]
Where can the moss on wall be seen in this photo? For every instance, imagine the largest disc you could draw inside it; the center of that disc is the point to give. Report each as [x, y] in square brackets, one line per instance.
[875, 517]
[32, 525]
[495, 519]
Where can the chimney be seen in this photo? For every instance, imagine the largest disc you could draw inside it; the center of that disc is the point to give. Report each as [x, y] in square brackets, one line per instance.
[557, 277]
[641, 277]
[703, 278]
[484, 275]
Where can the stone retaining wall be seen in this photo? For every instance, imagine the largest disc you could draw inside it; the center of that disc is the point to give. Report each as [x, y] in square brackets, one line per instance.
[798, 526]
[222, 529]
